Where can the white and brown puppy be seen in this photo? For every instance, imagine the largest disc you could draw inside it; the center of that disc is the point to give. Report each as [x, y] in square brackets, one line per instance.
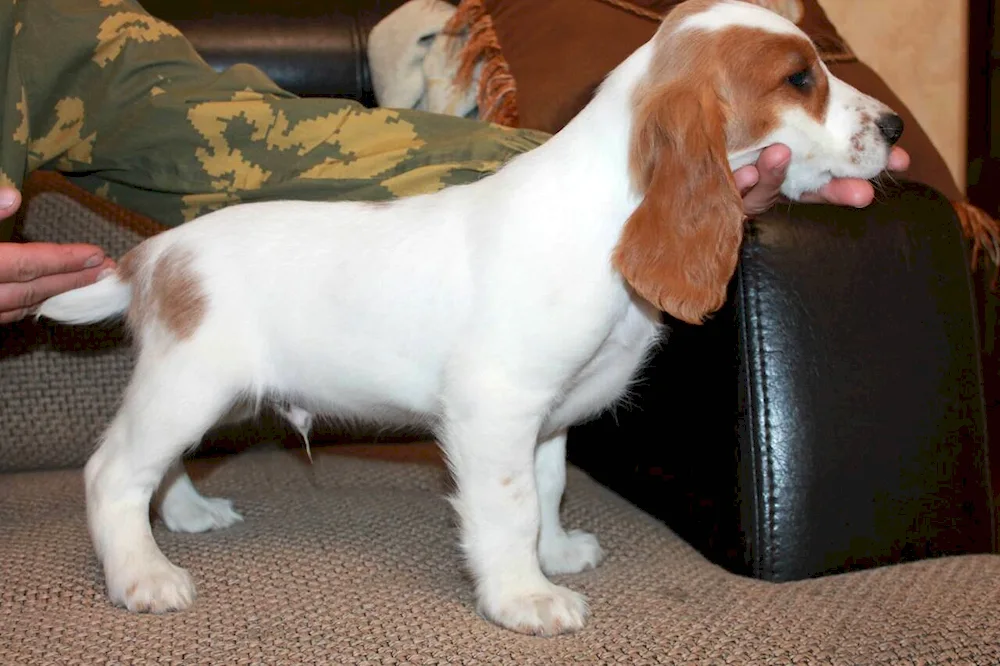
[498, 313]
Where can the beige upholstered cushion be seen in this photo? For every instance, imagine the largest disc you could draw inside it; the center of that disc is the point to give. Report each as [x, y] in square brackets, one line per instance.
[353, 561]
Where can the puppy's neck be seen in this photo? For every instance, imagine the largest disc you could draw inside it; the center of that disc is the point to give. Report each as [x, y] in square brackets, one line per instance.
[592, 150]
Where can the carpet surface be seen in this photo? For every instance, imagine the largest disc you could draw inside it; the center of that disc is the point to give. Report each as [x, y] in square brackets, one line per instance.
[352, 560]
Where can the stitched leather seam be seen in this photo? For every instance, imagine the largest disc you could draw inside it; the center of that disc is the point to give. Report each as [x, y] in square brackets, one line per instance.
[749, 413]
[766, 404]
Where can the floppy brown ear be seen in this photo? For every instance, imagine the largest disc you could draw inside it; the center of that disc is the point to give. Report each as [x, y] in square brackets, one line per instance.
[679, 248]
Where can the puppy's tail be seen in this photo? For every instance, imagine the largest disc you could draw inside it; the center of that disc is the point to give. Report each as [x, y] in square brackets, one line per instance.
[105, 299]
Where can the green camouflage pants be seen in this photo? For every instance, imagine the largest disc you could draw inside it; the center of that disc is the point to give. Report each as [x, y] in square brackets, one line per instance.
[120, 103]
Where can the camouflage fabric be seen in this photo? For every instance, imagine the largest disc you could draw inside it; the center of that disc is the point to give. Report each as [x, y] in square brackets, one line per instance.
[120, 103]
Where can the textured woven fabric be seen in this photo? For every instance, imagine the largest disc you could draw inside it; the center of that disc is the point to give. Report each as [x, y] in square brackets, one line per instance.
[59, 385]
[353, 561]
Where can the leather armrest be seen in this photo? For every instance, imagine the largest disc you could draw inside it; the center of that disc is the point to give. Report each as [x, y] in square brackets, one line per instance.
[831, 416]
[307, 47]
[863, 436]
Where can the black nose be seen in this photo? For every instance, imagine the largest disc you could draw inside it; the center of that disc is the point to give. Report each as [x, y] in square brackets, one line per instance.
[891, 127]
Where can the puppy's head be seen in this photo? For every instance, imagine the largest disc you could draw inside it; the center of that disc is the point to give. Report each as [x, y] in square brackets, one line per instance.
[725, 80]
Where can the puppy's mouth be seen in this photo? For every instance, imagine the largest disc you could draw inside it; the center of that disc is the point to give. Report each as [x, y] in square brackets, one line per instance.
[865, 161]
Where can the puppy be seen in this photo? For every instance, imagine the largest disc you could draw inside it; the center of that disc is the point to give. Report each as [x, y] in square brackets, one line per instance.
[497, 313]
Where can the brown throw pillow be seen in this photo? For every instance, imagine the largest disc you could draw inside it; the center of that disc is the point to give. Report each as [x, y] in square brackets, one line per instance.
[543, 60]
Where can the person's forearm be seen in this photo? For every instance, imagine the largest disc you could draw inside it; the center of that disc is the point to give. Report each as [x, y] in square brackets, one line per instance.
[126, 108]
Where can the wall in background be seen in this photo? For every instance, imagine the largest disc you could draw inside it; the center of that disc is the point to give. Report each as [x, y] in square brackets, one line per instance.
[919, 47]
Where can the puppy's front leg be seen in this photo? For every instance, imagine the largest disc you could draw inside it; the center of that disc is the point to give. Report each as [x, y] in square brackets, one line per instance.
[491, 452]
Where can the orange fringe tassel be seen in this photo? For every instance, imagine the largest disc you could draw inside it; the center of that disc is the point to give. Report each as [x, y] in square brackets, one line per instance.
[496, 95]
[984, 232]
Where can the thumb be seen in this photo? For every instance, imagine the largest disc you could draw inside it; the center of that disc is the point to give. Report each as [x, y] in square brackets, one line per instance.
[10, 201]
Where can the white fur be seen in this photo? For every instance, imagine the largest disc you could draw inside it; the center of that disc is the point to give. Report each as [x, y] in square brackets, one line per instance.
[729, 13]
[105, 299]
[488, 312]
[183, 509]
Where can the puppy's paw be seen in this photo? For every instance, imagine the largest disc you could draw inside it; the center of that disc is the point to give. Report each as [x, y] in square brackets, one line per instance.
[150, 586]
[548, 610]
[569, 552]
[199, 514]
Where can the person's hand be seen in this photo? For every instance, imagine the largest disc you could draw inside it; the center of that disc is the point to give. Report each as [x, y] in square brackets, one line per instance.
[33, 272]
[10, 201]
[760, 183]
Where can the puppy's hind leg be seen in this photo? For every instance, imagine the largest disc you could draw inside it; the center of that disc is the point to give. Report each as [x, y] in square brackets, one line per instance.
[173, 399]
[184, 509]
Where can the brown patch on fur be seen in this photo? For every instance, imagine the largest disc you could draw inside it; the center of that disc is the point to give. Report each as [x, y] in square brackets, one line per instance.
[706, 93]
[129, 265]
[176, 292]
[749, 68]
[755, 72]
[679, 248]
[128, 270]
[170, 291]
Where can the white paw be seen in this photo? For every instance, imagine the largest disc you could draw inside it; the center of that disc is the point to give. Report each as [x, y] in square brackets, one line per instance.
[150, 585]
[569, 553]
[548, 610]
[199, 514]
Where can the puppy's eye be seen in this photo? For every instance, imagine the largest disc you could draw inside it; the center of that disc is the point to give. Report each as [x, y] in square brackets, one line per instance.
[803, 80]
